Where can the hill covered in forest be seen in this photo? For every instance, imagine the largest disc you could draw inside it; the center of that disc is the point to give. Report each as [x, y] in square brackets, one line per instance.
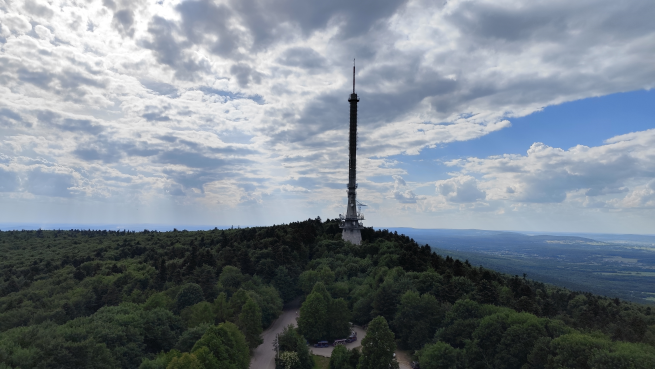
[105, 299]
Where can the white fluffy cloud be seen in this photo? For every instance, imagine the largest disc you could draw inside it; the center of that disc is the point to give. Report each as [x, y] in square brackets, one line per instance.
[618, 174]
[229, 103]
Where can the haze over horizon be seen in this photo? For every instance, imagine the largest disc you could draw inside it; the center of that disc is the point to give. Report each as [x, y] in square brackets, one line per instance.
[498, 115]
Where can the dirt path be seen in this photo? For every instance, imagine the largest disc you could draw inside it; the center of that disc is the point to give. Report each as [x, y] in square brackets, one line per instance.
[263, 355]
[403, 359]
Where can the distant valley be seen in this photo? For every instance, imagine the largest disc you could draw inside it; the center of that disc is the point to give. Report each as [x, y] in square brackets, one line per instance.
[607, 264]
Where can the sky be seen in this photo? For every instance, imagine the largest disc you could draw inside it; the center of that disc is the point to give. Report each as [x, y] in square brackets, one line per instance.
[500, 115]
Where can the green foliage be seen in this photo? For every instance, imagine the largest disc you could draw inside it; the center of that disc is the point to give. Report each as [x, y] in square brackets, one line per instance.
[231, 279]
[119, 299]
[285, 284]
[291, 341]
[322, 317]
[200, 313]
[337, 319]
[190, 337]
[417, 319]
[440, 355]
[189, 295]
[227, 346]
[185, 361]
[312, 320]
[342, 358]
[158, 300]
[378, 346]
[222, 311]
[250, 322]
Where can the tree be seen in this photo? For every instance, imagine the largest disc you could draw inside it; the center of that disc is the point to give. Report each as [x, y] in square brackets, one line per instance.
[307, 280]
[231, 279]
[378, 346]
[200, 313]
[385, 302]
[158, 300]
[250, 322]
[185, 361]
[227, 344]
[340, 358]
[439, 355]
[222, 311]
[417, 319]
[189, 295]
[237, 300]
[337, 319]
[284, 283]
[313, 313]
[290, 340]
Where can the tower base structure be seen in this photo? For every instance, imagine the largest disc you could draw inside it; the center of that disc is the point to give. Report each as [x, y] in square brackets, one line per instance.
[351, 235]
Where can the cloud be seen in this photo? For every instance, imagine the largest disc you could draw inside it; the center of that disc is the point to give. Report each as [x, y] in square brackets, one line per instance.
[123, 22]
[303, 57]
[245, 74]
[246, 101]
[168, 51]
[460, 189]
[617, 171]
[401, 193]
[44, 183]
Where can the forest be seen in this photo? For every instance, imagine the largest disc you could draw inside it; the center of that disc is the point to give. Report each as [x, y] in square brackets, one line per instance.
[200, 299]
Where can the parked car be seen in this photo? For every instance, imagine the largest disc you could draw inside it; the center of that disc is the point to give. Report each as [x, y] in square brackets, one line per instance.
[415, 365]
[322, 344]
[339, 342]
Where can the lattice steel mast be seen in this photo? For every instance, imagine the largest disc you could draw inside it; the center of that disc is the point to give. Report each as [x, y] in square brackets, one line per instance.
[351, 221]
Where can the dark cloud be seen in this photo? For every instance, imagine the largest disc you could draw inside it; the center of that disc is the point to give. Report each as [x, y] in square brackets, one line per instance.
[99, 150]
[9, 118]
[268, 21]
[245, 74]
[109, 4]
[303, 57]
[196, 160]
[156, 113]
[553, 21]
[55, 120]
[169, 52]
[207, 22]
[49, 184]
[40, 79]
[102, 148]
[193, 179]
[32, 7]
[123, 21]
[80, 125]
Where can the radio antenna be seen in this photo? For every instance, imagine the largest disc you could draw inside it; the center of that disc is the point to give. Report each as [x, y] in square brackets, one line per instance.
[353, 76]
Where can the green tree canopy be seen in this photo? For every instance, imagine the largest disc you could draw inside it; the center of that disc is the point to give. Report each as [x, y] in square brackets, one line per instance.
[250, 322]
[189, 295]
[440, 355]
[291, 341]
[313, 317]
[378, 346]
